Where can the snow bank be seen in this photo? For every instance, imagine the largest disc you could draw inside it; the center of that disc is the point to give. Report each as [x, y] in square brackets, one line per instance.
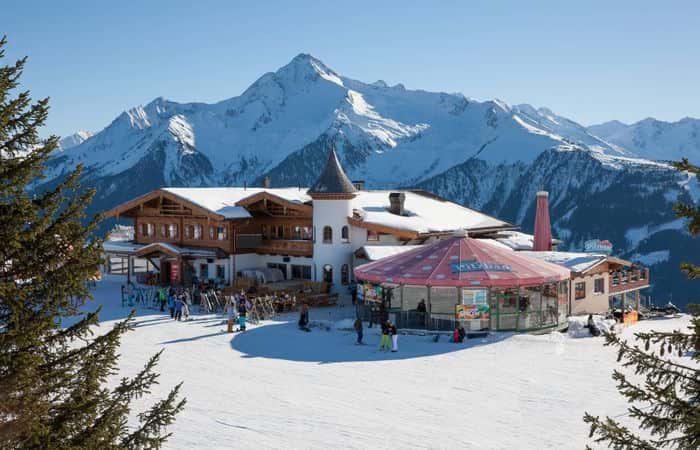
[577, 325]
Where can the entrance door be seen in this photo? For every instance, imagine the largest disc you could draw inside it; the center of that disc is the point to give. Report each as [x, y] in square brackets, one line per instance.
[165, 272]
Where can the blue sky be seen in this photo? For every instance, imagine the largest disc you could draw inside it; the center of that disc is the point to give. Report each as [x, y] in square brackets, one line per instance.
[590, 61]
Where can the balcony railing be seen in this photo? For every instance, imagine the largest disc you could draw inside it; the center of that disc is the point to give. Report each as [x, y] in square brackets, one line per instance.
[286, 247]
[626, 280]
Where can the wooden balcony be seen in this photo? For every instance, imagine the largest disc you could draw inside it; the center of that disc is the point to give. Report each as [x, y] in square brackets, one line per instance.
[286, 247]
[289, 247]
[626, 281]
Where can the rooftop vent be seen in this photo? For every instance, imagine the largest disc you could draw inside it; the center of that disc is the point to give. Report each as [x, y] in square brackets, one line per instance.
[396, 203]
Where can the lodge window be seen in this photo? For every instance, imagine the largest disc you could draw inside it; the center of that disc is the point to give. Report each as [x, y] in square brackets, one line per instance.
[142, 230]
[599, 285]
[301, 233]
[221, 233]
[163, 231]
[328, 273]
[211, 232]
[277, 232]
[301, 272]
[345, 234]
[188, 231]
[372, 235]
[345, 274]
[197, 231]
[580, 290]
[327, 235]
[220, 271]
[172, 231]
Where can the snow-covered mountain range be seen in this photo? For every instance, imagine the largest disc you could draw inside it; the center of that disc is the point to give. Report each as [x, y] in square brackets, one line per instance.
[74, 139]
[485, 154]
[654, 139]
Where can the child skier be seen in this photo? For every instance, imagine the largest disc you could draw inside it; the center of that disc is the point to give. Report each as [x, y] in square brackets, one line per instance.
[230, 309]
[242, 311]
[394, 337]
[384, 342]
[162, 298]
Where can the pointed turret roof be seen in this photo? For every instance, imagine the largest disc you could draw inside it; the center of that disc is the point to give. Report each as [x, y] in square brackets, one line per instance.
[332, 180]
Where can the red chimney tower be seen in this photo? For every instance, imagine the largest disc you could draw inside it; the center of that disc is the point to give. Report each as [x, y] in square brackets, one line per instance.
[543, 229]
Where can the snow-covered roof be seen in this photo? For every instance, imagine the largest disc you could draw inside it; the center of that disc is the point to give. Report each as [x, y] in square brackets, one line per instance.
[222, 200]
[120, 246]
[132, 247]
[189, 251]
[423, 213]
[375, 252]
[574, 261]
[516, 240]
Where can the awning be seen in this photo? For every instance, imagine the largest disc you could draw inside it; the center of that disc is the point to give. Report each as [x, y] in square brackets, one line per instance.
[461, 261]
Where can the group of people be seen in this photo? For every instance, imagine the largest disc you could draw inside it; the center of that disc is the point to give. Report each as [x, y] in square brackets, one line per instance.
[178, 301]
[390, 335]
[237, 305]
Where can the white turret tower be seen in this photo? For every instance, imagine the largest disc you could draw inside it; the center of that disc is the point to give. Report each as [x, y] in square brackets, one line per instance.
[332, 196]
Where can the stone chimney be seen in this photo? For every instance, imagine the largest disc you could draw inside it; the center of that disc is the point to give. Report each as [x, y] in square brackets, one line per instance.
[396, 202]
[267, 182]
[359, 185]
[543, 229]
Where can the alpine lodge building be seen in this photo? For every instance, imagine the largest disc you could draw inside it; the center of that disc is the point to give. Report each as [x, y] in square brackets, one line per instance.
[386, 242]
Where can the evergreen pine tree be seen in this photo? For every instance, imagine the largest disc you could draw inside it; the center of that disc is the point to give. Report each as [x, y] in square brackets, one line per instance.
[53, 378]
[665, 397]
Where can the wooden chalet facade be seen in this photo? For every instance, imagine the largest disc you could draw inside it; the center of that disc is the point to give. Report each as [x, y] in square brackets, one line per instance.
[178, 233]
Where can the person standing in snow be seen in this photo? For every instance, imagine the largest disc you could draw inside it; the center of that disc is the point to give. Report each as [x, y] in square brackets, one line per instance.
[178, 308]
[231, 313]
[242, 312]
[394, 337]
[171, 303]
[304, 317]
[592, 326]
[384, 342]
[358, 330]
[162, 298]
[462, 333]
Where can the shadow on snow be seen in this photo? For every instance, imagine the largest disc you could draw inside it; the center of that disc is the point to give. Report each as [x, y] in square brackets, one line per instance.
[283, 340]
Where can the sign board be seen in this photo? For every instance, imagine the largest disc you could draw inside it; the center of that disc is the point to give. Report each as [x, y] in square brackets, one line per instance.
[465, 266]
[598, 246]
[174, 272]
[373, 293]
[475, 305]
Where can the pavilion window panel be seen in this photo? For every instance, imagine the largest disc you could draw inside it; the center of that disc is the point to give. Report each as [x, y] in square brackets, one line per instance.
[221, 233]
[163, 231]
[197, 232]
[150, 230]
[211, 232]
[443, 300]
[412, 295]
